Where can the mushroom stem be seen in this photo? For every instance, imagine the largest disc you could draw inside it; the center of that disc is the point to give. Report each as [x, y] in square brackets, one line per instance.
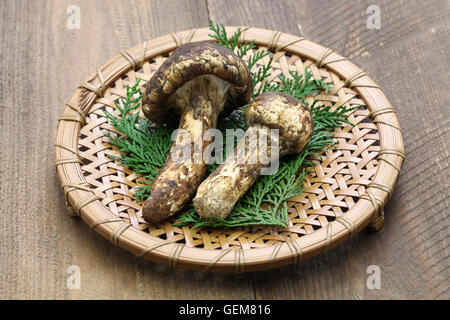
[218, 194]
[201, 100]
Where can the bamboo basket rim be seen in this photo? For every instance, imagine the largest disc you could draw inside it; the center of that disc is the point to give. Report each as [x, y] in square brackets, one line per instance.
[82, 200]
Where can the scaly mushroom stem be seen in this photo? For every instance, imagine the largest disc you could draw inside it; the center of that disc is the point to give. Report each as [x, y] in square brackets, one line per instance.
[218, 194]
[201, 100]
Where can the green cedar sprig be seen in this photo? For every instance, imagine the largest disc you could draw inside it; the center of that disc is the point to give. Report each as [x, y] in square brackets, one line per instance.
[263, 72]
[143, 147]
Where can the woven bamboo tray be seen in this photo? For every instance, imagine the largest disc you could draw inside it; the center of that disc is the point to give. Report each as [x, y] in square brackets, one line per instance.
[345, 192]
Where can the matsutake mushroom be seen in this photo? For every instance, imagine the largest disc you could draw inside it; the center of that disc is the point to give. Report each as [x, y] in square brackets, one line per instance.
[199, 82]
[217, 194]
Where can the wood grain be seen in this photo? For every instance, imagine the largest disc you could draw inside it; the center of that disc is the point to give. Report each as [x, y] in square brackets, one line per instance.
[408, 57]
[43, 61]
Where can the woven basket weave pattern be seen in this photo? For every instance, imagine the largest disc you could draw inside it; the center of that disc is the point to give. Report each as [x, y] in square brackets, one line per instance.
[342, 194]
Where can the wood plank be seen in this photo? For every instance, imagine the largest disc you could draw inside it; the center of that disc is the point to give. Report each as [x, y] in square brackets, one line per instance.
[42, 63]
[408, 57]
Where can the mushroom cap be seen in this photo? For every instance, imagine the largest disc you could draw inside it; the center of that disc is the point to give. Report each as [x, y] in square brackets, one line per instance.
[188, 62]
[281, 111]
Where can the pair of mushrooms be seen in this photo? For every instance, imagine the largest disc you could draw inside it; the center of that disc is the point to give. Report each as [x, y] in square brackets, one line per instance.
[201, 81]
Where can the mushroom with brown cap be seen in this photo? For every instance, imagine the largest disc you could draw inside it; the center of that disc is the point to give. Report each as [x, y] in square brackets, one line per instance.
[217, 194]
[199, 81]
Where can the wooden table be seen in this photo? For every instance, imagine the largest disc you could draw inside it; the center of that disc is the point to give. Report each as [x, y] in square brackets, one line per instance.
[43, 61]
